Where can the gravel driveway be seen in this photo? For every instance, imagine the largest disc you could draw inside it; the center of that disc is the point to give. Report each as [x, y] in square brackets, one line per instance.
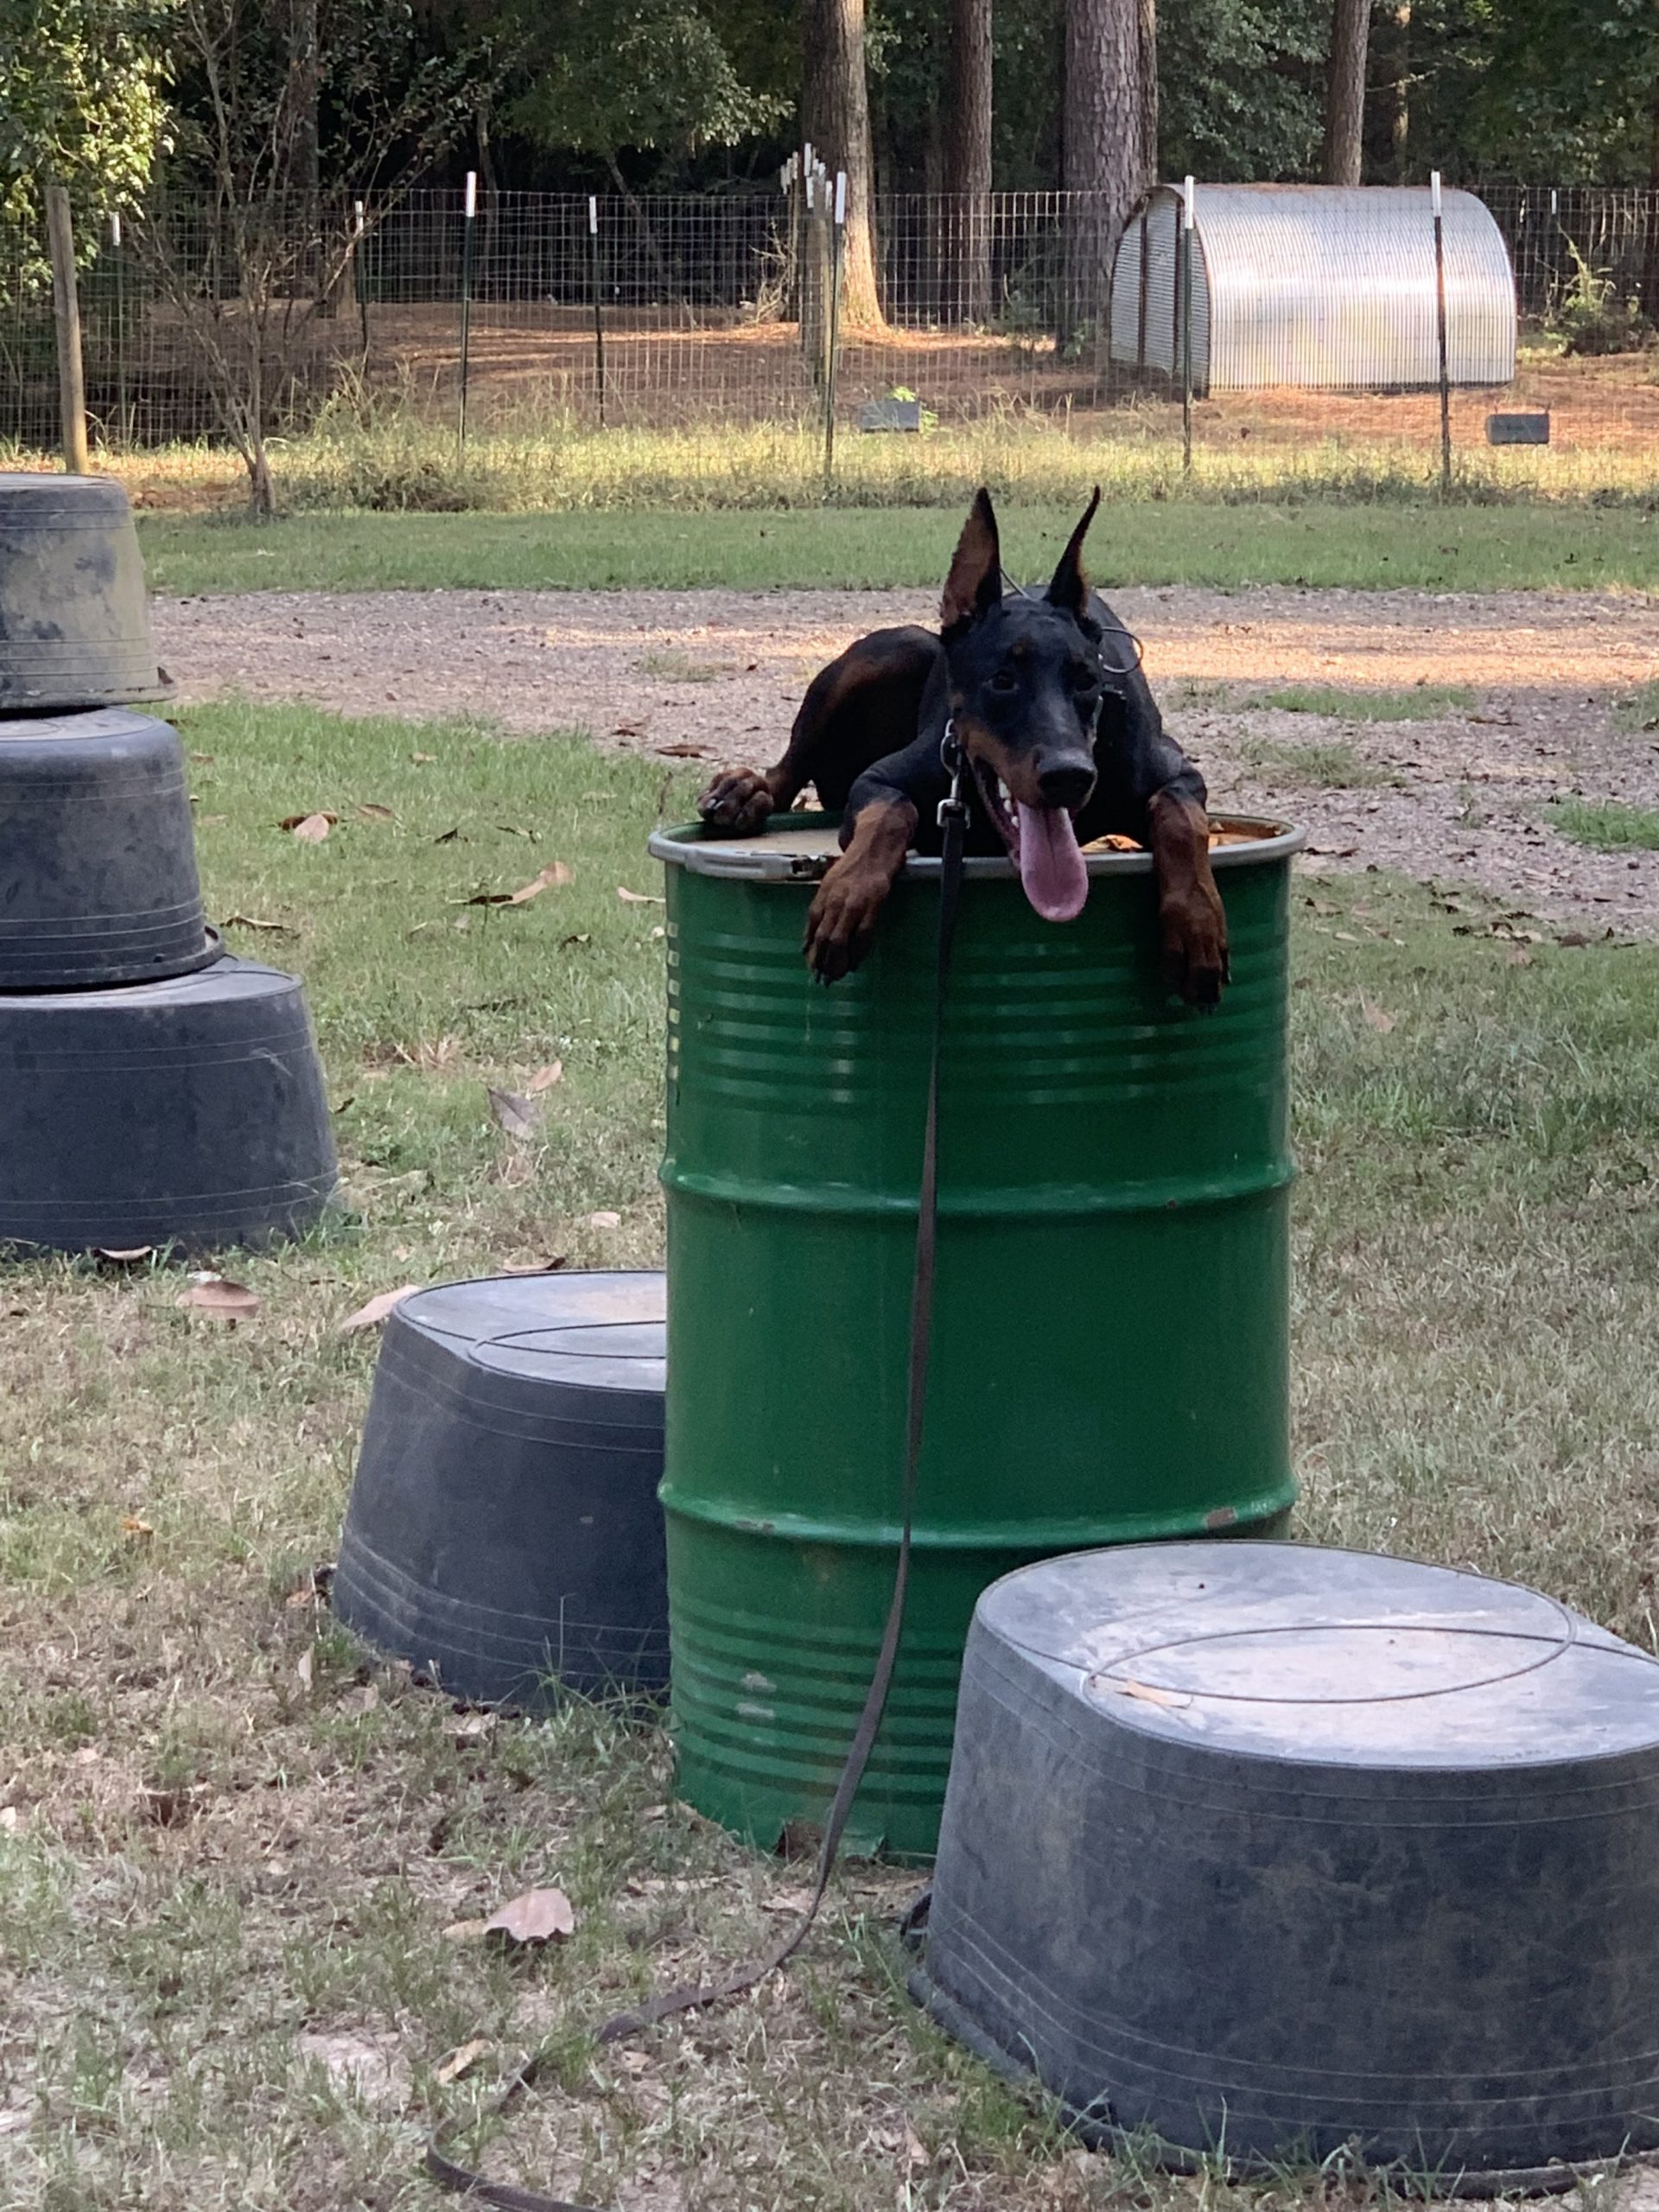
[1462, 795]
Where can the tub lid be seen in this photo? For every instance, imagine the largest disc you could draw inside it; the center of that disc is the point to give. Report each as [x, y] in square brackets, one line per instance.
[798, 847]
[602, 1330]
[1301, 1653]
[88, 725]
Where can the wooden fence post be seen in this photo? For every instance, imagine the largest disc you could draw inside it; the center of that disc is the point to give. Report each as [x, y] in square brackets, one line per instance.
[66, 307]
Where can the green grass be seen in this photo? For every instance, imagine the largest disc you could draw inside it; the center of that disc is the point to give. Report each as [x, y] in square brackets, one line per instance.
[1464, 549]
[1420, 703]
[1333, 766]
[1641, 709]
[186, 2004]
[1605, 824]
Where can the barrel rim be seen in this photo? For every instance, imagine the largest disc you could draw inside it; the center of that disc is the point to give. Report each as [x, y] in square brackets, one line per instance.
[687, 846]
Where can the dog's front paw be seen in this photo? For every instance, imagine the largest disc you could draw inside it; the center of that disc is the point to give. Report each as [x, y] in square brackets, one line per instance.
[1195, 944]
[841, 922]
[736, 804]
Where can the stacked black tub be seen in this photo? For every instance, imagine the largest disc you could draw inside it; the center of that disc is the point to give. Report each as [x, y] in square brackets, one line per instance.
[153, 1090]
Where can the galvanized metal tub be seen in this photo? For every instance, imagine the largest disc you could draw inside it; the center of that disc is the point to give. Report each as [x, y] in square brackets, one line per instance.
[1111, 1354]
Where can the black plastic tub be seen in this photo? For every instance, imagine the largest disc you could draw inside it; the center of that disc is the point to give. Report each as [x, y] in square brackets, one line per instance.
[1269, 1854]
[504, 1533]
[189, 1113]
[98, 854]
[75, 622]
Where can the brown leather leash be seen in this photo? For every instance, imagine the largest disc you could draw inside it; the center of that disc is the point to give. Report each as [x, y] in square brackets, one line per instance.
[697, 1997]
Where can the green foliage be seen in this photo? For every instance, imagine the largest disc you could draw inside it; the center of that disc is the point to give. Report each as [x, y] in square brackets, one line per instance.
[1240, 87]
[1593, 317]
[650, 73]
[83, 102]
[1539, 89]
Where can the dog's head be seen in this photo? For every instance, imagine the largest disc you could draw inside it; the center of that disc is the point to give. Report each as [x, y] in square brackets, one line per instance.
[1025, 680]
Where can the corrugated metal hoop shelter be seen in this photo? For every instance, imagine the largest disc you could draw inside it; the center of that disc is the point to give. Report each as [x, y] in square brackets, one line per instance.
[1314, 284]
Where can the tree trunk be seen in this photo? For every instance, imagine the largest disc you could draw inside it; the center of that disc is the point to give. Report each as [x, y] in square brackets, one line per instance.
[1110, 125]
[836, 117]
[1345, 92]
[968, 158]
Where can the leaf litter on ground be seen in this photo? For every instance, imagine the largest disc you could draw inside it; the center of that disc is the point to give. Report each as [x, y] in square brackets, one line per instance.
[372, 1315]
[217, 1299]
[538, 1917]
[552, 878]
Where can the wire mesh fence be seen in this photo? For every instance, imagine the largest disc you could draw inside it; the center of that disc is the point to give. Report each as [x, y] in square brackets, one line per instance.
[677, 313]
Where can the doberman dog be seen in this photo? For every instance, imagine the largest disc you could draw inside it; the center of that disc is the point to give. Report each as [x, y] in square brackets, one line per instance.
[1062, 737]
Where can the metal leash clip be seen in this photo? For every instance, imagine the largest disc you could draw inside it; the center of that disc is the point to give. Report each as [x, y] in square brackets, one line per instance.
[954, 759]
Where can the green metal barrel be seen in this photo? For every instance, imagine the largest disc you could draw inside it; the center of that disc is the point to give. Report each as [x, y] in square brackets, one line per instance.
[1110, 1355]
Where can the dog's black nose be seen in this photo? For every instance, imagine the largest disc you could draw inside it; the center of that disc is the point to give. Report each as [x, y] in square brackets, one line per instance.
[1066, 783]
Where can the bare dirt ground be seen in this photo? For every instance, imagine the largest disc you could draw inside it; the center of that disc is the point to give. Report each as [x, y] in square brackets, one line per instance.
[1462, 795]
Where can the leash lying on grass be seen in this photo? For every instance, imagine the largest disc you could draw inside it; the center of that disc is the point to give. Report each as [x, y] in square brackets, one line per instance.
[697, 1997]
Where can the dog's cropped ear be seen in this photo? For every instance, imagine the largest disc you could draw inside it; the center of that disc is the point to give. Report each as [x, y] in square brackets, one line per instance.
[975, 583]
[1070, 589]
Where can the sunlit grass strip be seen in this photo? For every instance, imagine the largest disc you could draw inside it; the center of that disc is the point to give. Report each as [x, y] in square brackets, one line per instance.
[1608, 826]
[1420, 703]
[402, 460]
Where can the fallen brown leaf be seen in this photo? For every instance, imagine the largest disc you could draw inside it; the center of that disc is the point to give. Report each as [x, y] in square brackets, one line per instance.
[372, 1315]
[1518, 955]
[447, 837]
[520, 1117]
[1375, 1018]
[423, 759]
[135, 1531]
[470, 1727]
[604, 1219]
[678, 751]
[545, 1078]
[219, 1300]
[537, 1916]
[310, 829]
[464, 1931]
[1147, 1693]
[637, 898]
[305, 1667]
[253, 922]
[462, 2060]
[551, 877]
[789, 1901]
[372, 810]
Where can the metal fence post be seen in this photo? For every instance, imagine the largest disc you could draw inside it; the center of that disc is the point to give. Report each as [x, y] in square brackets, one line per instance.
[466, 295]
[599, 319]
[1439, 328]
[837, 243]
[1188, 194]
[360, 276]
[66, 304]
[123, 411]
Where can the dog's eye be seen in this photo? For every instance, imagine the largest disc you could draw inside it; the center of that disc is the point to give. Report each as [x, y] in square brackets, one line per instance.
[1004, 683]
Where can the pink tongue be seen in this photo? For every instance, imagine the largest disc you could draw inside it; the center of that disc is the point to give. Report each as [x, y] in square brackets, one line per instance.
[1052, 866]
